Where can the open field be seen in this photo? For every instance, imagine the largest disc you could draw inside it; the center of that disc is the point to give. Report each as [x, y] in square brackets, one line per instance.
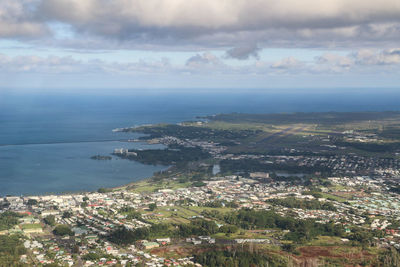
[151, 186]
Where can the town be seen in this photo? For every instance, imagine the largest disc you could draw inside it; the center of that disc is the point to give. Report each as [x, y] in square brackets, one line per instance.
[232, 193]
[73, 230]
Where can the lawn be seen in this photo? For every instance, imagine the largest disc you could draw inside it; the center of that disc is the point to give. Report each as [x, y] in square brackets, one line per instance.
[151, 186]
[334, 197]
[31, 226]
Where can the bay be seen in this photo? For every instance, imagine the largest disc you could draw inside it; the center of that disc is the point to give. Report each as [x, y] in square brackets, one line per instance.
[46, 140]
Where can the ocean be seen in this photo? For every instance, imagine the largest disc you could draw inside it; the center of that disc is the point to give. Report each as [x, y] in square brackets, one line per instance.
[46, 140]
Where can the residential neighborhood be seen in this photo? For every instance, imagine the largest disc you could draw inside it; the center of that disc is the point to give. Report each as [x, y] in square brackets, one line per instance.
[91, 217]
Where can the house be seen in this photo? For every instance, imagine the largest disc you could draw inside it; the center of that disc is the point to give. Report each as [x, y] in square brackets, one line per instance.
[163, 241]
[150, 245]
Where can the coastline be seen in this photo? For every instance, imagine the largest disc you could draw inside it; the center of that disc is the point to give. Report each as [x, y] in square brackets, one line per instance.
[125, 169]
[147, 140]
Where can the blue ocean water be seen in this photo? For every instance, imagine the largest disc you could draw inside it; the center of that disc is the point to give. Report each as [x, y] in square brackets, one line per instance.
[46, 140]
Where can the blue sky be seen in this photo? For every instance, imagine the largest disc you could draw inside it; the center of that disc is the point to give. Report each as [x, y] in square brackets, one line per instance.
[101, 45]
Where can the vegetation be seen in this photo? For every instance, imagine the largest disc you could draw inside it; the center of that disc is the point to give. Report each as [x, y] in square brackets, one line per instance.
[67, 214]
[124, 236]
[11, 248]
[198, 227]
[326, 118]
[152, 206]
[390, 257]
[32, 202]
[300, 230]
[131, 213]
[63, 230]
[195, 228]
[292, 202]
[50, 220]
[168, 156]
[371, 147]
[92, 256]
[235, 257]
[220, 204]
[253, 165]
[104, 190]
[194, 132]
[100, 157]
[8, 219]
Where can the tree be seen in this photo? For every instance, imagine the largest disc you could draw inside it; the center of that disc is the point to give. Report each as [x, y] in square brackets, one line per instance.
[103, 190]
[152, 206]
[50, 220]
[63, 230]
[32, 202]
[125, 236]
[228, 229]
[8, 219]
[91, 256]
[67, 214]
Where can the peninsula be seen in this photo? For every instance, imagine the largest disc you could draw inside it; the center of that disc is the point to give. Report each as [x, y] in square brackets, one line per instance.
[301, 189]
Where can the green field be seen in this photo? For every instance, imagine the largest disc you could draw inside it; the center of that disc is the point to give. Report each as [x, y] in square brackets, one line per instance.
[152, 186]
[31, 226]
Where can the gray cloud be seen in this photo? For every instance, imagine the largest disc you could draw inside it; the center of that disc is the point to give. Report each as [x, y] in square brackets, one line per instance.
[17, 20]
[244, 52]
[196, 24]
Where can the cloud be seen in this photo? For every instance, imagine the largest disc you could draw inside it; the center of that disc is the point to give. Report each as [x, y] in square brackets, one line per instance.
[55, 65]
[209, 22]
[244, 52]
[370, 57]
[206, 24]
[205, 60]
[287, 63]
[363, 57]
[51, 64]
[17, 20]
[364, 62]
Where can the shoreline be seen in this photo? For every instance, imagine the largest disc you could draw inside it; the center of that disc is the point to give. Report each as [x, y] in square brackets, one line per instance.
[144, 141]
[112, 189]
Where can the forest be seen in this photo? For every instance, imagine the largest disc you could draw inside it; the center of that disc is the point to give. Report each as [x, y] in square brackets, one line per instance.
[193, 132]
[238, 257]
[168, 156]
[11, 248]
[254, 165]
[292, 202]
[8, 220]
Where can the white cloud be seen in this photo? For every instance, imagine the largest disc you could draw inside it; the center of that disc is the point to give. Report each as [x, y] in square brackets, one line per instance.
[69, 65]
[202, 63]
[51, 64]
[370, 57]
[363, 62]
[287, 63]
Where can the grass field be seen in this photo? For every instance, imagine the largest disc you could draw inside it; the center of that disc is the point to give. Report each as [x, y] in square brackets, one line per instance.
[182, 214]
[151, 186]
[334, 197]
[31, 226]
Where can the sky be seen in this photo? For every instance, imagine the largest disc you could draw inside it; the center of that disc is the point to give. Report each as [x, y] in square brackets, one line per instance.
[106, 45]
